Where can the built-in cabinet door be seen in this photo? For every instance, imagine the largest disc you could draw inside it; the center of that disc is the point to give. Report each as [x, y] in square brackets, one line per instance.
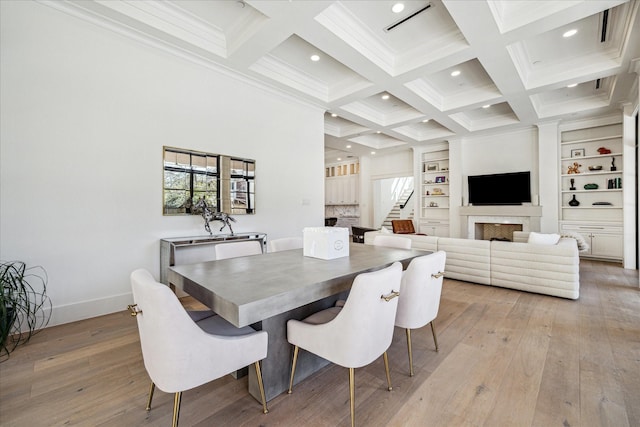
[606, 245]
[342, 190]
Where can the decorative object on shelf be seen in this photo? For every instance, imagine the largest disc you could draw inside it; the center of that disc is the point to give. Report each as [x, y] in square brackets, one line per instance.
[431, 167]
[614, 183]
[440, 179]
[604, 150]
[577, 152]
[574, 168]
[208, 215]
[595, 168]
[433, 205]
[602, 204]
[613, 164]
[574, 201]
[437, 192]
[572, 184]
[25, 307]
[444, 169]
[591, 186]
[427, 193]
[428, 181]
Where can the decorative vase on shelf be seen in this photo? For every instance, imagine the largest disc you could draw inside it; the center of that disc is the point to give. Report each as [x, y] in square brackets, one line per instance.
[572, 185]
[574, 201]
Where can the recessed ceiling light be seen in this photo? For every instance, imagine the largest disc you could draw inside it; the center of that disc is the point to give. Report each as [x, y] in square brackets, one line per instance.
[339, 158]
[334, 115]
[397, 8]
[373, 152]
[570, 33]
[425, 120]
[385, 96]
[378, 131]
[348, 146]
[572, 85]
[315, 58]
[486, 106]
[455, 73]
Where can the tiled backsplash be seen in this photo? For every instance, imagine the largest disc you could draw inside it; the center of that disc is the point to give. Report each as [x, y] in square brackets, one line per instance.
[352, 211]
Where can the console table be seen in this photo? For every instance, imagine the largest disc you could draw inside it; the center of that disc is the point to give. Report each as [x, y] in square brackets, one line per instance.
[187, 250]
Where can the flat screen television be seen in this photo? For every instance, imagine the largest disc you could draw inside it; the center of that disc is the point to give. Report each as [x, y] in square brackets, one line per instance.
[512, 188]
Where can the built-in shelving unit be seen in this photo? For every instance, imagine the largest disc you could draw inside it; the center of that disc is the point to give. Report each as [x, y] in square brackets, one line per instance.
[434, 193]
[591, 174]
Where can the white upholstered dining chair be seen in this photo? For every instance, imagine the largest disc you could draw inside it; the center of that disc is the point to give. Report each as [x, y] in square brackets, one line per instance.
[392, 241]
[420, 296]
[238, 249]
[180, 354]
[285, 244]
[358, 333]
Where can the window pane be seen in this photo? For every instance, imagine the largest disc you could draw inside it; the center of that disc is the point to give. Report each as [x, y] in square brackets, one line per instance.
[176, 201]
[176, 180]
[238, 184]
[209, 197]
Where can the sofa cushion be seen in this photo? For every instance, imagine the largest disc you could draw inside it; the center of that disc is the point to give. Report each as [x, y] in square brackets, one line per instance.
[543, 239]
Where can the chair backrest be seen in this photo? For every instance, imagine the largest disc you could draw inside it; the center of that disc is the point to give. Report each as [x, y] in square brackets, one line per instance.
[364, 326]
[167, 334]
[420, 291]
[392, 241]
[179, 354]
[238, 249]
[285, 244]
[402, 226]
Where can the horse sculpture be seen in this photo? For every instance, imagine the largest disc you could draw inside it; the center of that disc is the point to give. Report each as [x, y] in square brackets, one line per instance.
[209, 215]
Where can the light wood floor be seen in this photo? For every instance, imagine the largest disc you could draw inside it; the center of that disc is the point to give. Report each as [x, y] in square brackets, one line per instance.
[506, 358]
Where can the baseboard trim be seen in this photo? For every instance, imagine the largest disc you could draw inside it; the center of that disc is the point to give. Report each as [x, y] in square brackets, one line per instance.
[87, 309]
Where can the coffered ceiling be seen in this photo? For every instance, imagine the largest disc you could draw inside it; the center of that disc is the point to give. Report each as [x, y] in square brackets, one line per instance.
[437, 70]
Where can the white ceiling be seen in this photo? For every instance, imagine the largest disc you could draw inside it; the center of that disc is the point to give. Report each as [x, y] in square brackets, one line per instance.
[511, 56]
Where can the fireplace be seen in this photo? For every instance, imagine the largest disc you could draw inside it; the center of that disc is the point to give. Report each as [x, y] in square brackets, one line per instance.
[495, 231]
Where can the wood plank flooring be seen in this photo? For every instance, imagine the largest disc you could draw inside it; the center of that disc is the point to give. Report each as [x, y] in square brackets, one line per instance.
[507, 358]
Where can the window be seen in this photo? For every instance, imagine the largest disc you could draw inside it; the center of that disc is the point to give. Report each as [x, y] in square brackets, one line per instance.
[188, 177]
[242, 189]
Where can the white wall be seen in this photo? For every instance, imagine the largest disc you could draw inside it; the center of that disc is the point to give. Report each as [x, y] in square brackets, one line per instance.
[85, 113]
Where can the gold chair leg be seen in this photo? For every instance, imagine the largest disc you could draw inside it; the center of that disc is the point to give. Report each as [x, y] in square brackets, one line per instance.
[386, 368]
[152, 388]
[410, 352]
[433, 331]
[264, 400]
[352, 397]
[293, 367]
[176, 408]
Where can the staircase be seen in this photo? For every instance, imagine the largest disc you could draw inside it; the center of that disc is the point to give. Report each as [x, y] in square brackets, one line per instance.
[395, 211]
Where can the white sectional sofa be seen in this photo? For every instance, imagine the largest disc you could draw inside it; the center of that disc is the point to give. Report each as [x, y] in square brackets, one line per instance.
[544, 269]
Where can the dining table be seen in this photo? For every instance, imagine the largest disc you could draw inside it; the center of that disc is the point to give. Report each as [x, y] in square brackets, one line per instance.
[265, 291]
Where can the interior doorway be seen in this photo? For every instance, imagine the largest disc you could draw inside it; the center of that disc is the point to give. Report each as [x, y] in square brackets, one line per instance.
[388, 193]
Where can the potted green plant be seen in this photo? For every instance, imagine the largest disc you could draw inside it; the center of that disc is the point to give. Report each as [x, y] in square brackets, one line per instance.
[25, 307]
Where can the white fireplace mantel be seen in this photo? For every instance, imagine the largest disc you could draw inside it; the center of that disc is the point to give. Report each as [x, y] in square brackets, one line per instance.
[528, 216]
[508, 210]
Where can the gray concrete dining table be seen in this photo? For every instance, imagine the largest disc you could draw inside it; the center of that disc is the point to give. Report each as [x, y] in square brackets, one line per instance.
[266, 290]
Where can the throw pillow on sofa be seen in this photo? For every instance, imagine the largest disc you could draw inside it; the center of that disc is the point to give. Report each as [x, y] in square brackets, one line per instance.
[543, 239]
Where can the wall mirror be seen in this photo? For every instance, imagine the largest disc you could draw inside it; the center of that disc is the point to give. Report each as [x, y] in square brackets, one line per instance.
[226, 183]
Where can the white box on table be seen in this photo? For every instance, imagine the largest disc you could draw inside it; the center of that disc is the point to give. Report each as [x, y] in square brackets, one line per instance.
[325, 242]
